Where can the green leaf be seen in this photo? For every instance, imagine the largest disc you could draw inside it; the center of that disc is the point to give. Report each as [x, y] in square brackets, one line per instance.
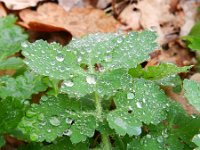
[11, 36]
[57, 116]
[2, 141]
[157, 72]
[174, 133]
[11, 63]
[196, 140]
[179, 124]
[59, 144]
[88, 64]
[21, 87]
[12, 110]
[192, 92]
[144, 102]
[65, 144]
[156, 142]
[193, 39]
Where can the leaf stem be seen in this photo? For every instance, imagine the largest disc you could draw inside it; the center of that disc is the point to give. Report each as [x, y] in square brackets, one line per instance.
[106, 141]
[105, 137]
[98, 107]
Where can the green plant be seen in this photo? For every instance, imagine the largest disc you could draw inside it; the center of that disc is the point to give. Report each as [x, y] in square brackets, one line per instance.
[95, 95]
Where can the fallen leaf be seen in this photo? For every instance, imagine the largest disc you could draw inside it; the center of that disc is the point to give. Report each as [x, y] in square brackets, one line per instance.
[155, 15]
[3, 12]
[69, 4]
[78, 21]
[173, 52]
[190, 13]
[20, 4]
[103, 3]
[195, 77]
[131, 17]
[181, 99]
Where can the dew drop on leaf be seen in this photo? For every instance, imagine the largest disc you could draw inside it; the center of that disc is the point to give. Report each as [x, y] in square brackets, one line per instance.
[121, 123]
[91, 79]
[54, 121]
[139, 105]
[67, 132]
[68, 120]
[79, 59]
[24, 44]
[119, 40]
[41, 116]
[59, 57]
[130, 95]
[68, 83]
[33, 137]
[108, 58]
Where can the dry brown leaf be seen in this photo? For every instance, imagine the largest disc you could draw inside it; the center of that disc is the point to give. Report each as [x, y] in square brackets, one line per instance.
[153, 13]
[3, 12]
[20, 4]
[174, 53]
[69, 4]
[190, 13]
[103, 3]
[181, 99]
[195, 77]
[78, 21]
[130, 17]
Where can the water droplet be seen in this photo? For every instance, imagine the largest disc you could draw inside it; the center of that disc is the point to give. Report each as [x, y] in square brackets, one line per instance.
[130, 108]
[67, 132]
[53, 63]
[91, 79]
[79, 59]
[33, 136]
[148, 136]
[49, 130]
[139, 105]
[24, 44]
[130, 95]
[108, 58]
[30, 113]
[68, 83]
[119, 40]
[160, 139]
[41, 116]
[59, 57]
[68, 121]
[54, 121]
[137, 130]
[121, 123]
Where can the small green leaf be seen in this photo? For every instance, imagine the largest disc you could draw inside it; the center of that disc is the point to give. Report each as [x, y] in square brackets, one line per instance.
[11, 63]
[144, 102]
[21, 87]
[11, 36]
[57, 116]
[88, 64]
[193, 39]
[12, 110]
[156, 142]
[157, 72]
[192, 93]
[2, 141]
[196, 140]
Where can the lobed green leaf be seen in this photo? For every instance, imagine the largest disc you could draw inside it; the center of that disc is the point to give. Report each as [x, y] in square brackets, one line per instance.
[89, 63]
[143, 103]
[192, 92]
